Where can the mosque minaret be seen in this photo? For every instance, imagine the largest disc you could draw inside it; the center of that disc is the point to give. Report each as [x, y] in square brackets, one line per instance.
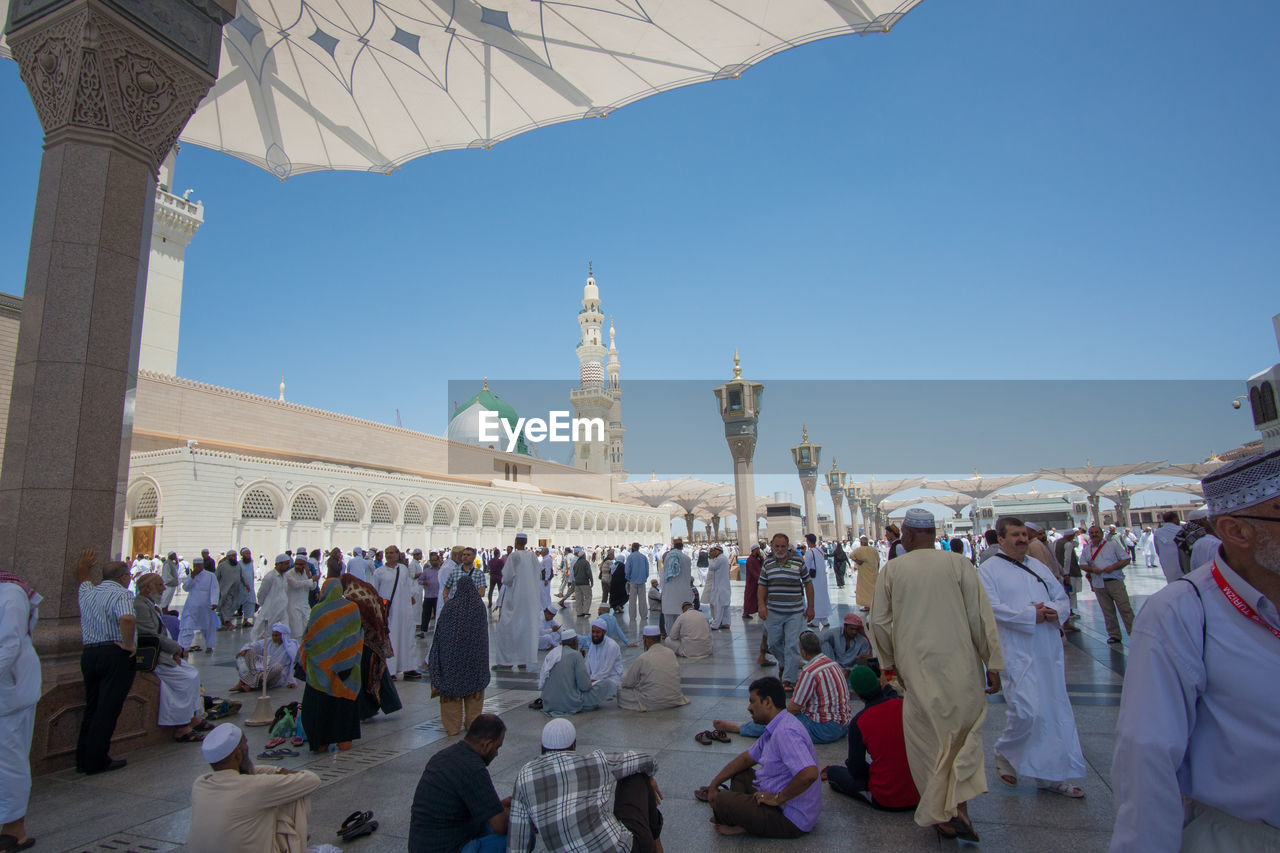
[599, 393]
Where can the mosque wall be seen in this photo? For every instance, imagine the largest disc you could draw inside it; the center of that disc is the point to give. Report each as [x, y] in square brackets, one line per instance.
[192, 498]
[10, 320]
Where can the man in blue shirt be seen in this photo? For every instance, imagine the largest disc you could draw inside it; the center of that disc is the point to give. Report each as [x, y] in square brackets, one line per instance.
[637, 571]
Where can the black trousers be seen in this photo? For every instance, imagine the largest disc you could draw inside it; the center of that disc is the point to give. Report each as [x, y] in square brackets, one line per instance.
[841, 781]
[428, 611]
[636, 808]
[108, 675]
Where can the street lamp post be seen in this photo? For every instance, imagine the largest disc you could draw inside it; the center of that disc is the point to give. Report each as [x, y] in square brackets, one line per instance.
[739, 402]
[835, 482]
[806, 455]
[854, 494]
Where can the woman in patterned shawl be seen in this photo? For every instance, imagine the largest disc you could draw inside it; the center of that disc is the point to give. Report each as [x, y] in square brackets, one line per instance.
[458, 663]
[331, 650]
[378, 692]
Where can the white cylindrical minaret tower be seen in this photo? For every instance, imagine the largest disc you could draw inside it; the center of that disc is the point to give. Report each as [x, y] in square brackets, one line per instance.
[591, 350]
[593, 399]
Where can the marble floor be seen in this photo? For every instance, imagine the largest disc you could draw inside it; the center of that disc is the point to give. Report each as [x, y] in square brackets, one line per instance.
[146, 806]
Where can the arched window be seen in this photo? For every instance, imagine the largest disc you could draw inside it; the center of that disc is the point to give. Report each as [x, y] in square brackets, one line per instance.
[345, 510]
[258, 504]
[1255, 403]
[1268, 402]
[509, 518]
[380, 512]
[147, 504]
[529, 518]
[490, 517]
[442, 514]
[413, 513]
[467, 516]
[305, 508]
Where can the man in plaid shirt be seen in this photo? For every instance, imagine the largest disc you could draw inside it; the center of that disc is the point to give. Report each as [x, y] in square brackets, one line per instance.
[563, 796]
[466, 567]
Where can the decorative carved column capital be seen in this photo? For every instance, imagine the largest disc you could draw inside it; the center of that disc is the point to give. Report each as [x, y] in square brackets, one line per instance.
[97, 75]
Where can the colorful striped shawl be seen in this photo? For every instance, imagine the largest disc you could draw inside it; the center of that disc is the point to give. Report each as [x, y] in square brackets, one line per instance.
[332, 645]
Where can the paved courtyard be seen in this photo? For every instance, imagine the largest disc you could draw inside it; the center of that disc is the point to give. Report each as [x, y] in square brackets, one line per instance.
[146, 806]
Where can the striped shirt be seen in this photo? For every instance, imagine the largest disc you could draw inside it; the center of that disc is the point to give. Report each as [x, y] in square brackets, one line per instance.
[784, 577]
[566, 798]
[822, 693]
[101, 607]
[477, 577]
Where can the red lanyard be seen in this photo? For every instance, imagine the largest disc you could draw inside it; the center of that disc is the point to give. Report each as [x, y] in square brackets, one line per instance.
[1238, 602]
[1094, 556]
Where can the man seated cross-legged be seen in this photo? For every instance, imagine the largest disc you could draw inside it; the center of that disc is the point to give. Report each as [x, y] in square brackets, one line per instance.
[885, 781]
[455, 807]
[772, 786]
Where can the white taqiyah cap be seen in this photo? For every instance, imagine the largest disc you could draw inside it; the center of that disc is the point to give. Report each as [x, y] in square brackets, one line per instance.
[651, 631]
[522, 535]
[567, 634]
[220, 742]
[1031, 525]
[1198, 513]
[280, 558]
[559, 734]
[600, 623]
[919, 518]
[1243, 484]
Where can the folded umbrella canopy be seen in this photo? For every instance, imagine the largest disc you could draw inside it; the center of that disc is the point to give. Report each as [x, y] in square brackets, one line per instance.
[308, 85]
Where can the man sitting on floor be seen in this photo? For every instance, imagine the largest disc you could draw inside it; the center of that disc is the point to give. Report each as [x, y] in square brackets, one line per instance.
[612, 629]
[690, 636]
[847, 645]
[548, 632]
[604, 658]
[652, 682]
[567, 687]
[886, 782]
[779, 799]
[274, 656]
[821, 701]
[562, 798]
[245, 808]
[455, 807]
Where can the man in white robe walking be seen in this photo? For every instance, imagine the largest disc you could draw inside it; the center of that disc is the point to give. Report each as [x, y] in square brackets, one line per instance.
[522, 605]
[273, 598]
[395, 585]
[718, 580]
[815, 562]
[1039, 739]
[200, 610]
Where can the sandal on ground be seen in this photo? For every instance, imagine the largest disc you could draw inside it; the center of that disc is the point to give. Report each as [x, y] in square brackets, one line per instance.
[945, 831]
[1075, 792]
[704, 738]
[298, 741]
[353, 819]
[10, 842]
[274, 742]
[964, 829]
[359, 829]
[284, 752]
[189, 737]
[536, 704]
[412, 675]
[1005, 771]
[203, 726]
[720, 735]
[269, 755]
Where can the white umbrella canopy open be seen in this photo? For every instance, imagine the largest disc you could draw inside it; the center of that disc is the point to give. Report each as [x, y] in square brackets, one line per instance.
[309, 85]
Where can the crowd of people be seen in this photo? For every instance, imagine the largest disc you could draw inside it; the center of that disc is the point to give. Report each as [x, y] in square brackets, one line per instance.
[937, 626]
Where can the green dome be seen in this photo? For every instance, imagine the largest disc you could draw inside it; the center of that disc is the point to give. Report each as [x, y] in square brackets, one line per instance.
[492, 402]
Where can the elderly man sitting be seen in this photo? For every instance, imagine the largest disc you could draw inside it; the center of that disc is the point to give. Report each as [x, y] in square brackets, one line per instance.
[848, 645]
[612, 629]
[821, 700]
[180, 702]
[567, 687]
[275, 656]
[652, 682]
[772, 791]
[245, 808]
[690, 635]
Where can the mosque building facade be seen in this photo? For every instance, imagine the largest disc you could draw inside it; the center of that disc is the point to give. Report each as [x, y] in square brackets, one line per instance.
[219, 468]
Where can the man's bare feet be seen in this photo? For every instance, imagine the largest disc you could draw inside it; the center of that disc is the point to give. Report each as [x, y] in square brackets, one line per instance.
[823, 775]
[726, 726]
[723, 829]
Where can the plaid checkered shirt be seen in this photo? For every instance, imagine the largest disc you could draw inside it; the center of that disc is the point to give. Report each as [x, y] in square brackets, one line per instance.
[567, 799]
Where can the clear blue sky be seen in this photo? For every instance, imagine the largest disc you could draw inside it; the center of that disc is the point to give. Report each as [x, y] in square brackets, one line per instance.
[993, 190]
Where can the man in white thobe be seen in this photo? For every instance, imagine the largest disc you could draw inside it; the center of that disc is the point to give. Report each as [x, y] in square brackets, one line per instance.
[180, 701]
[677, 582]
[1166, 548]
[718, 595]
[548, 632]
[604, 658]
[273, 598]
[1197, 739]
[19, 692]
[690, 634]
[1039, 739]
[547, 571]
[298, 584]
[815, 562]
[395, 585]
[517, 631]
[652, 682]
[200, 610]
[357, 566]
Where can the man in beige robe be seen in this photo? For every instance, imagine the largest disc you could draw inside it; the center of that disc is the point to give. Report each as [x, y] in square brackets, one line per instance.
[652, 682]
[690, 635]
[934, 629]
[245, 808]
[866, 561]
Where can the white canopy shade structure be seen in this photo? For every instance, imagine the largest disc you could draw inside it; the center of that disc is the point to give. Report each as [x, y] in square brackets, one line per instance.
[978, 487]
[1091, 479]
[1032, 495]
[1185, 488]
[651, 492]
[1190, 470]
[311, 85]
[877, 490]
[956, 502]
[1113, 492]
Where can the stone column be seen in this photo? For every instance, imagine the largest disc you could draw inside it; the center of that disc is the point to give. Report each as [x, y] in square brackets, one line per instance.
[837, 500]
[688, 523]
[715, 527]
[112, 91]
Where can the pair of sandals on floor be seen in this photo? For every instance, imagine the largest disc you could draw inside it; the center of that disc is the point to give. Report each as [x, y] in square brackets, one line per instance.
[356, 825]
[710, 735]
[1009, 777]
[196, 735]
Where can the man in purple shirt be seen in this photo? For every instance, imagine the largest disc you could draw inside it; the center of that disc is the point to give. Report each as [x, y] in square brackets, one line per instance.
[771, 786]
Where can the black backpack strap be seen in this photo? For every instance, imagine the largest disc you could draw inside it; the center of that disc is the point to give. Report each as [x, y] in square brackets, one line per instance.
[1204, 620]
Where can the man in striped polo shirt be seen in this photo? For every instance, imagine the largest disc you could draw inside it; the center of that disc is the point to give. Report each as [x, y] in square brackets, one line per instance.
[107, 630]
[786, 603]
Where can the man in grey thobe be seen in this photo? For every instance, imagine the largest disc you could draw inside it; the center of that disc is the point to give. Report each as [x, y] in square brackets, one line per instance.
[677, 583]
